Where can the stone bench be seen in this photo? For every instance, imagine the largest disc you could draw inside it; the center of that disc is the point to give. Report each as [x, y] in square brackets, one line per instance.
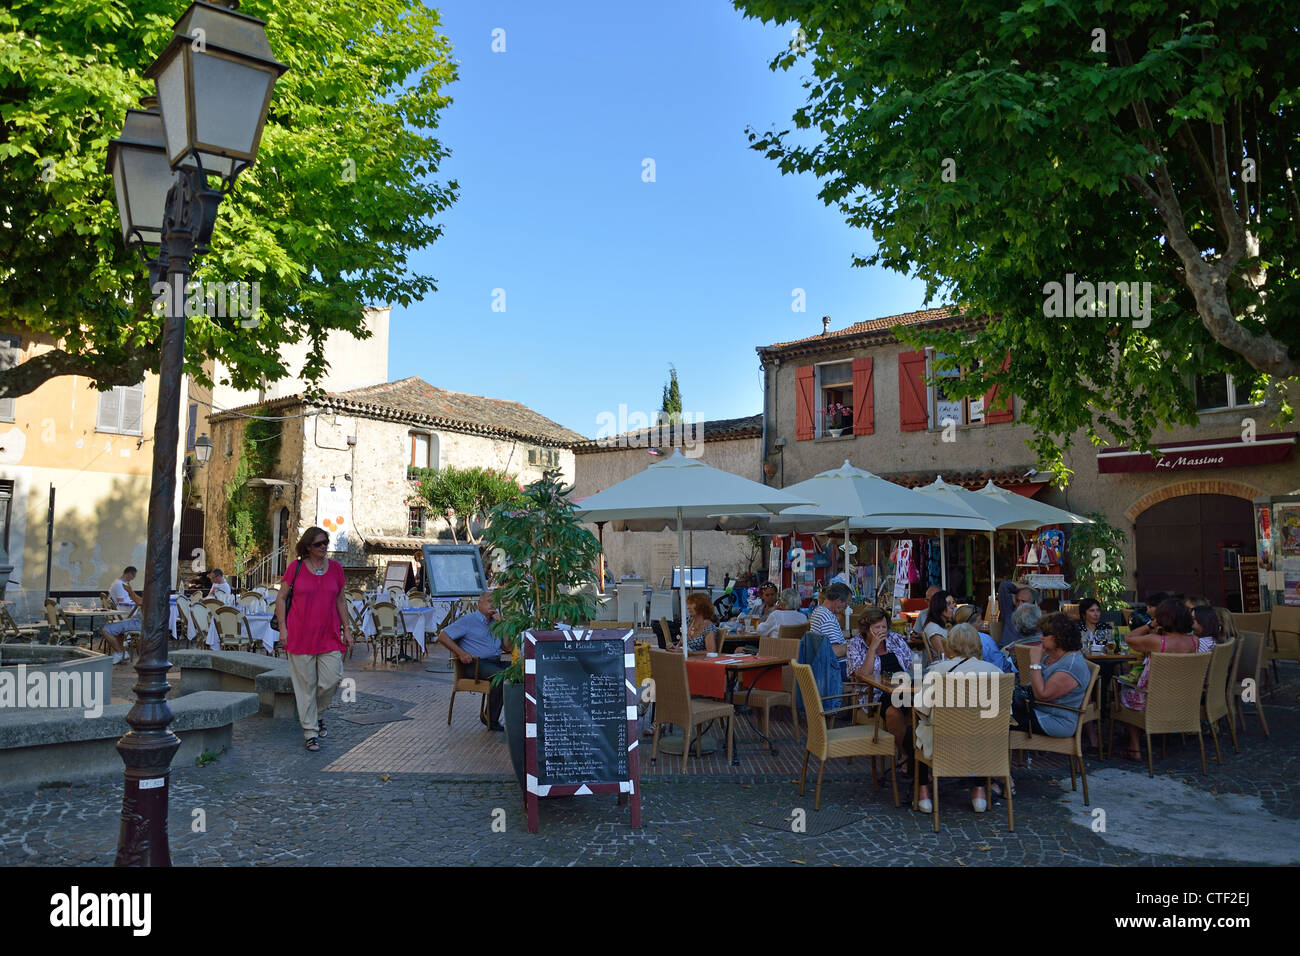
[268, 677]
[45, 746]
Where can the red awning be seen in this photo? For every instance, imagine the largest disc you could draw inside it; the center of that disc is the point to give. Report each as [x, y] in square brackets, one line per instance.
[1231, 452]
[1029, 491]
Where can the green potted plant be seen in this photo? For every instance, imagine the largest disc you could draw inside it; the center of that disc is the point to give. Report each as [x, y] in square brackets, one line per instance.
[1096, 553]
[549, 556]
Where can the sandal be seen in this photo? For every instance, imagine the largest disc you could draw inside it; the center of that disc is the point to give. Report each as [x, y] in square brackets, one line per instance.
[321, 732]
[1134, 755]
[998, 792]
[312, 745]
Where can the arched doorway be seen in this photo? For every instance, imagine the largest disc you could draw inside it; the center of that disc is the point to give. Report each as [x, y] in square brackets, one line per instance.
[1178, 542]
[280, 541]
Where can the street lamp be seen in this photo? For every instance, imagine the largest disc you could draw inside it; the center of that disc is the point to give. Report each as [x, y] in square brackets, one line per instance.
[203, 449]
[214, 85]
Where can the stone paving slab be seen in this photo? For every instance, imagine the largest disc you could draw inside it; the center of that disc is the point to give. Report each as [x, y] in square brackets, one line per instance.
[269, 802]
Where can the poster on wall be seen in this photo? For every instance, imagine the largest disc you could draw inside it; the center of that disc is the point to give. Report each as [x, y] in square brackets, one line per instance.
[1264, 539]
[1291, 581]
[902, 567]
[774, 562]
[334, 514]
[1286, 525]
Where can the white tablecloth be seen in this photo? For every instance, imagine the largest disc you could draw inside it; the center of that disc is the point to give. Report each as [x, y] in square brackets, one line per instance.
[258, 624]
[416, 620]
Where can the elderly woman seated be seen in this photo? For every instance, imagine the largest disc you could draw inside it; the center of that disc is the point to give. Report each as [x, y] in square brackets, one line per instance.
[786, 612]
[1025, 623]
[1057, 672]
[962, 655]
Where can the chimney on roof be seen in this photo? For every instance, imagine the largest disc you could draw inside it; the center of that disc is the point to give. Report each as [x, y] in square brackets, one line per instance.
[826, 325]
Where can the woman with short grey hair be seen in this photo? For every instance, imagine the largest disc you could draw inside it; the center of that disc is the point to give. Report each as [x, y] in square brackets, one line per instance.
[787, 613]
[1026, 622]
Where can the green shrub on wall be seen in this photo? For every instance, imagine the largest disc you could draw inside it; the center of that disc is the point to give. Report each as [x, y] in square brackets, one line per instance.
[247, 523]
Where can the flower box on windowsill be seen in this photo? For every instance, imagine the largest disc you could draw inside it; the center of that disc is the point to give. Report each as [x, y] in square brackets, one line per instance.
[846, 434]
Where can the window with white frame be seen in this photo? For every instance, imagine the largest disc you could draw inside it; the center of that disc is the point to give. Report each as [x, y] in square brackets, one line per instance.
[1220, 391]
[834, 391]
[121, 410]
[945, 408]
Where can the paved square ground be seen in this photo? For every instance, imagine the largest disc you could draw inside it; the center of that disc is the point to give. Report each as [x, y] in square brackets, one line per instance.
[421, 792]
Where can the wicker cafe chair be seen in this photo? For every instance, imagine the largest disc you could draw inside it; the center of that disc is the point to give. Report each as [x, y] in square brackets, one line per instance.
[13, 630]
[106, 602]
[416, 598]
[228, 631]
[184, 629]
[1214, 702]
[1021, 652]
[765, 700]
[792, 632]
[1071, 746]
[387, 629]
[1174, 685]
[200, 623]
[968, 744]
[788, 649]
[61, 629]
[675, 705]
[463, 679]
[1283, 639]
[666, 632]
[1249, 663]
[252, 601]
[609, 625]
[829, 743]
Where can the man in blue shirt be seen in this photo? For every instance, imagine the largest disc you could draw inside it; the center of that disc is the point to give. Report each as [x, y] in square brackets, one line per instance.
[471, 640]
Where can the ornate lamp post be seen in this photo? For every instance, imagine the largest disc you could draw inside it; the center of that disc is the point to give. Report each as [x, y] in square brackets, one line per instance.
[214, 83]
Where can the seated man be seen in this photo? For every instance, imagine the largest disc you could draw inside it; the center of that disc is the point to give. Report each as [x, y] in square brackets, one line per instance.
[767, 594]
[221, 587]
[125, 599]
[826, 620]
[480, 651]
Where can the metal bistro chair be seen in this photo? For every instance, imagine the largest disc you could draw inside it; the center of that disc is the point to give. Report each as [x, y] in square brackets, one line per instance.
[416, 598]
[200, 624]
[252, 601]
[184, 629]
[15, 631]
[1071, 746]
[1250, 661]
[387, 629]
[675, 705]
[826, 743]
[228, 631]
[968, 742]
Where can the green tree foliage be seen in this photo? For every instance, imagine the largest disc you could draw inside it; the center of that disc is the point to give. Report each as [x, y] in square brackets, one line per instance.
[992, 148]
[465, 496]
[248, 506]
[1096, 553]
[670, 407]
[341, 194]
[549, 556]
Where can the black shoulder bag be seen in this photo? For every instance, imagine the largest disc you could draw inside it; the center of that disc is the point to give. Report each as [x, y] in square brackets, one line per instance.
[288, 598]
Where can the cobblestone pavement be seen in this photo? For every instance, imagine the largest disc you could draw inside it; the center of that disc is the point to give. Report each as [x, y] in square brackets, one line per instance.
[269, 802]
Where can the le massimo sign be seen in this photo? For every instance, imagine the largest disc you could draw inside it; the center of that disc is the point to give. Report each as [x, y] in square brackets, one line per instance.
[1231, 452]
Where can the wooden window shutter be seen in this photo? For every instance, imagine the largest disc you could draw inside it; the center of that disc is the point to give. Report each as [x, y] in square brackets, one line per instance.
[864, 397]
[803, 403]
[133, 409]
[913, 407]
[110, 411]
[993, 415]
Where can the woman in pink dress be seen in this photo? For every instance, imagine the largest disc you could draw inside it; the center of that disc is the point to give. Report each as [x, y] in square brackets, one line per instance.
[1169, 633]
[311, 628]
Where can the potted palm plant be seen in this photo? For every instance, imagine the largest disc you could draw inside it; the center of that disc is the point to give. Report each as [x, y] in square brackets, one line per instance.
[549, 558]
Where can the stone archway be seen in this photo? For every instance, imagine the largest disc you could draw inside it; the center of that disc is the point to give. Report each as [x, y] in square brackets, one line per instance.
[1233, 489]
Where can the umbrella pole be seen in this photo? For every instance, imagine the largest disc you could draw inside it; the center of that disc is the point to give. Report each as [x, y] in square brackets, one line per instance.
[943, 563]
[993, 577]
[681, 580]
[848, 571]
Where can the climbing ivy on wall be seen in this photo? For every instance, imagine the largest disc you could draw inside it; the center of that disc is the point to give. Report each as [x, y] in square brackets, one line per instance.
[247, 505]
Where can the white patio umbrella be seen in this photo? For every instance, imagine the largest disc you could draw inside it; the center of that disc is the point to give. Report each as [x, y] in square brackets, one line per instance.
[863, 500]
[669, 492]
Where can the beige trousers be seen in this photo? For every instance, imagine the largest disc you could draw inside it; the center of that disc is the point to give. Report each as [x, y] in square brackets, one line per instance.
[315, 679]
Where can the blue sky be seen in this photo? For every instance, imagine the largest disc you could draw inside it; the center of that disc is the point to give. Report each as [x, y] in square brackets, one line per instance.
[608, 278]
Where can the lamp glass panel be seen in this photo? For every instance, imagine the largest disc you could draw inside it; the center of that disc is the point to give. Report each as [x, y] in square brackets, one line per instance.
[119, 188]
[148, 177]
[229, 97]
[171, 103]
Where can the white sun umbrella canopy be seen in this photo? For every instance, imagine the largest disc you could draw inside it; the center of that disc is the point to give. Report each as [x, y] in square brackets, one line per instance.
[1030, 509]
[869, 501]
[948, 495]
[681, 488]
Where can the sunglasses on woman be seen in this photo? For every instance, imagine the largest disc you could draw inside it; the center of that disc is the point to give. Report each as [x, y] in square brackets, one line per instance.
[321, 544]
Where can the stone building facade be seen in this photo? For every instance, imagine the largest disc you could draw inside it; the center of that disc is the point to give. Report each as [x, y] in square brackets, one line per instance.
[1176, 514]
[347, 456]
[731, 444]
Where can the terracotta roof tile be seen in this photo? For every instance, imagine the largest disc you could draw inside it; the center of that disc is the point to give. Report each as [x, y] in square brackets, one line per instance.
[883, 324]
[974, 480]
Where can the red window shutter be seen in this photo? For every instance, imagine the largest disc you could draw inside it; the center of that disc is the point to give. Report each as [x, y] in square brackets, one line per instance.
[913, 406]
[864, 397]
[803, 403]
[995, 416]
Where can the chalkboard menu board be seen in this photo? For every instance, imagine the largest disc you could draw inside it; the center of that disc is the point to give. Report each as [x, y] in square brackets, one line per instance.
[453, 570]
[1250, 585]
[580, 707]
